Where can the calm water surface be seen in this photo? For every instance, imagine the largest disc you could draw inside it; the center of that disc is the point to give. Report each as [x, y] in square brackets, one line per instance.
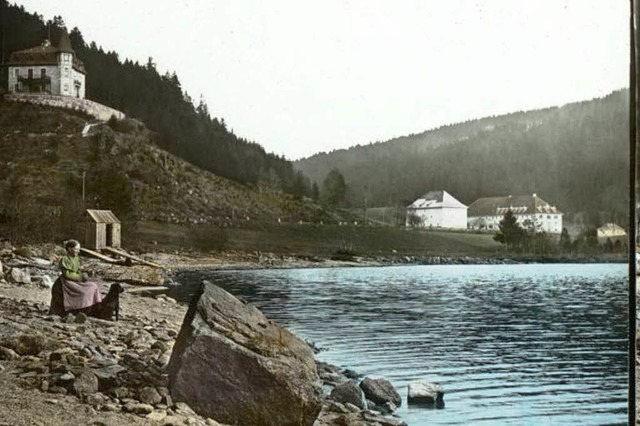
[510, 344]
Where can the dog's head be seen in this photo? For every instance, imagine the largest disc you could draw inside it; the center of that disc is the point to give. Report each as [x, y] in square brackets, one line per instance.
[116, 288]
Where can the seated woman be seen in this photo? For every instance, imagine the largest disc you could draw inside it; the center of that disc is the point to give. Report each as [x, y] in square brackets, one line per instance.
[73, 292]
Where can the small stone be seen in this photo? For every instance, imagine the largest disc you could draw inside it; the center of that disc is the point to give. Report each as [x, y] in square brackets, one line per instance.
[157, 415]
[158, 345]
[8, 354]
[149, 395]
[69, 319]
[173, 421]
[109, 406]
[20, 275]
[86, 384]
[57, 389]
[52, 401]
[81, 318]
[96, 398]
[184, 409]
[44, 385]
[120, 392]
[142, 409]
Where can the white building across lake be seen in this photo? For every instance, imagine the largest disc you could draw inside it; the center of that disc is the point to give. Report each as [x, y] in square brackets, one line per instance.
[485, 214]
[437, 209]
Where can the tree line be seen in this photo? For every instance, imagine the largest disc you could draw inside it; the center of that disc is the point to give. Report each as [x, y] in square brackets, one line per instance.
[575, 157]
[184, 127]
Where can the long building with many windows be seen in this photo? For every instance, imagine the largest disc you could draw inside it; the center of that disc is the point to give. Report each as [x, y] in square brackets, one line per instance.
[531, 212]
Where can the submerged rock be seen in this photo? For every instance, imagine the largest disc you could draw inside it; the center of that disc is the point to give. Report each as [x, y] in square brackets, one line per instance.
[421, 392]
[232, 364]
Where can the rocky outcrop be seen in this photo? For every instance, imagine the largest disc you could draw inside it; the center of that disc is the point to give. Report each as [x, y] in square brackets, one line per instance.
[234, 365]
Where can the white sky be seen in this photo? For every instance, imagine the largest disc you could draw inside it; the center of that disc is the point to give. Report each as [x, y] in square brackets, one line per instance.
[300, 76]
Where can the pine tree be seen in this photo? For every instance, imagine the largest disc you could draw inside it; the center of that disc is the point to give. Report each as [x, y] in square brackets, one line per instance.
[511, 233]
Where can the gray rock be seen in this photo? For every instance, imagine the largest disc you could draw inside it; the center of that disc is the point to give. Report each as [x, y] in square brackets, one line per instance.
[85, 384]
[43, 281]
[81, 318]
[232, 364]
[349, 392]
[96, 399]
[149, 395]
[137, 408]
[29, 344]
[20, 275]
[421, 392]
[8, 354]
[380, 391]
[108, 376]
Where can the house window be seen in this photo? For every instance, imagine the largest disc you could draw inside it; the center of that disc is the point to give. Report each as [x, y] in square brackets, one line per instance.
[30, 73]
[17, 87]
[66, 87]
[43, 72]
[66, 71]
[17, 73]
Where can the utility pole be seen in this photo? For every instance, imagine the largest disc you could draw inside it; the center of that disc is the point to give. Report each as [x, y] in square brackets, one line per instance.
[84, 174]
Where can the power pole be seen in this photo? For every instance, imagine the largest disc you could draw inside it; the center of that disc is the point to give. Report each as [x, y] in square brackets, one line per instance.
[84, 174]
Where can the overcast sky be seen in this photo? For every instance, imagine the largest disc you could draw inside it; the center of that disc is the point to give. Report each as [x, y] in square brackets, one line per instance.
[300, 77]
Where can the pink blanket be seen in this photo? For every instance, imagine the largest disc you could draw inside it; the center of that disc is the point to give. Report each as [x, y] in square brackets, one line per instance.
[80, 295]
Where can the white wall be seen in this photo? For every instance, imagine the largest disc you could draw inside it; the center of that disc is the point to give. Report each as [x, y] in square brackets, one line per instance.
[549, 223]
[440, 218]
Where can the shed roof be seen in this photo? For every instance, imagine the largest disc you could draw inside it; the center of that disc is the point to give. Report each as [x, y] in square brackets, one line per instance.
[437, 200]
[519, 204]
[102, 216]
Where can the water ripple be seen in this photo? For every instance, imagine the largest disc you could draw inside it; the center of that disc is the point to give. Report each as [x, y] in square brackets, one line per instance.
[511, 344]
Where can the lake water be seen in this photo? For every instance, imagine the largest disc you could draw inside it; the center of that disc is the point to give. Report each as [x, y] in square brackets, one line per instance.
[510, 344]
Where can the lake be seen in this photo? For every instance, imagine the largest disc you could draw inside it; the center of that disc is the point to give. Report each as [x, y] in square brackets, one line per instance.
[511, 344]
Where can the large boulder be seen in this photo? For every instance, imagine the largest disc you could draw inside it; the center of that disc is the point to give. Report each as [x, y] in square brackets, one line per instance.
[232, 364]
[380, 391]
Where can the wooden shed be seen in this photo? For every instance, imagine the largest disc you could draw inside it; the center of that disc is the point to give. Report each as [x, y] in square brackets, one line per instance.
[102, 230]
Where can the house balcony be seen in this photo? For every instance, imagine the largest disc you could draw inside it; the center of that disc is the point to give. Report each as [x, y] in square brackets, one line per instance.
[42, 80]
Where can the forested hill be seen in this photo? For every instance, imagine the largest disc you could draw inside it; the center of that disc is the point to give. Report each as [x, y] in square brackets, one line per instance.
[184, 129]
[574, 156]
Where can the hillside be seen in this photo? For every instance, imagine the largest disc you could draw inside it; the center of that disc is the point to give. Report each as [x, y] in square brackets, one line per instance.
[574, 156]
[184, 126]
[44, 155]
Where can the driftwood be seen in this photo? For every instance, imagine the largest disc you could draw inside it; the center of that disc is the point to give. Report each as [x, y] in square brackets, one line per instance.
[99, 255]
[132, 257]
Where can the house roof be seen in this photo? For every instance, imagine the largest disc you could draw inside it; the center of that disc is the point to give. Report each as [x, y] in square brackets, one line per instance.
[46, 54]
[437, 200]
[611, 229]
[519, 204]
[102, 216]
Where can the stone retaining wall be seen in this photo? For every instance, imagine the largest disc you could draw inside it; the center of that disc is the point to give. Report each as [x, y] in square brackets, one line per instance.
[99, 111]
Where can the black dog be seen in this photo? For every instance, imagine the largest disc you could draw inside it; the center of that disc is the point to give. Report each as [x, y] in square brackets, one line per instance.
[110, 305]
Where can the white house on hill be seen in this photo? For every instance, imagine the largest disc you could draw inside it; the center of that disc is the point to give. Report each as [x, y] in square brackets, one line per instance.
[485, 214]
[437, 209]
[47, 69]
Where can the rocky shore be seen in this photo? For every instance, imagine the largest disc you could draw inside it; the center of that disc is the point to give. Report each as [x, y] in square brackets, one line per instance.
[81, 370]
